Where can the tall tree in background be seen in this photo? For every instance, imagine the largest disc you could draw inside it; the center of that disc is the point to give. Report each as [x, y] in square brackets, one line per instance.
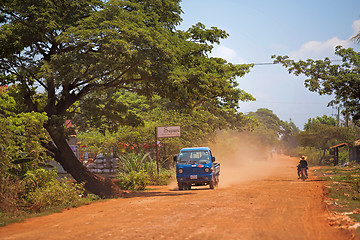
[271, 128]
[324, 77]
[330, 121]
[322, 133]
[58, 52]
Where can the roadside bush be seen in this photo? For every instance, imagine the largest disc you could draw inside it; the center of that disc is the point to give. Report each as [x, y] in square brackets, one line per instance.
[162, 178]
[133, 180]
[137, 169]
[38, 178]
[37, 191]
[56, 194]
[9, 195]
[43, 190]
[133, 162]
[313, 154]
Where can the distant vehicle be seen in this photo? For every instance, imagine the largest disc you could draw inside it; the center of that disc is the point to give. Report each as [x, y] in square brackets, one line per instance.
[196, 167]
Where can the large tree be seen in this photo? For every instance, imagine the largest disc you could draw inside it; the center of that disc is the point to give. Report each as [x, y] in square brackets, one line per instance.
[271, 128]
[58, 52]
[322, 133]
[325, 77]
[320, 120]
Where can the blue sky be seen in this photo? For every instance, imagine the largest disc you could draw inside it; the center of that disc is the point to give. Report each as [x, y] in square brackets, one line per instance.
[259, 29]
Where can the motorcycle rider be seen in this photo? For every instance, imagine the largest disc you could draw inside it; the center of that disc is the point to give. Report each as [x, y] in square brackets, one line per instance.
[302, 164]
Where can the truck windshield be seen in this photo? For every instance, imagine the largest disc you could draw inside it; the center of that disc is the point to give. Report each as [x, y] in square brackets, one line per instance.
[194, 157]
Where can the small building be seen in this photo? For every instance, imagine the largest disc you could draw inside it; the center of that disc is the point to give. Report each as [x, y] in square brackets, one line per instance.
[354, 152]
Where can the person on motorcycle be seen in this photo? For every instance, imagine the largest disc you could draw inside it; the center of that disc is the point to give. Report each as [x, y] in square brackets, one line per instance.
[302, 164]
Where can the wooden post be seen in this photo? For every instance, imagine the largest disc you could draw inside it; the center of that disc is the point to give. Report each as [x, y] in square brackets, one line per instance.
[336, 162]
[157, 150]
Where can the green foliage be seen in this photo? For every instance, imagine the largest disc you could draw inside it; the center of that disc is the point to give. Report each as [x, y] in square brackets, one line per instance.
[163, 178]
[10, 195]
[323, 136]
[107, 111]
[39, 178]
[313, 154]
[321, 133]
[56, 193]
[38, 191]
[320, 120]
[343, 186]
[137, 170]
[132, 162]
[197, 127]
[80, 52]
[324, 77]
[22, 135]
[271, 131]
[354, 178]
[133, 180]
[42, 190]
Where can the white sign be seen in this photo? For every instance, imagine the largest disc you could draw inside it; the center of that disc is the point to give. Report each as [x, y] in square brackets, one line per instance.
[163, 132]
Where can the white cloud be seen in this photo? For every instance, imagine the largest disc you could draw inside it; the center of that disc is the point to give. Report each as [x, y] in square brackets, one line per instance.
[319, 50]
[356, 27]
[228, 54]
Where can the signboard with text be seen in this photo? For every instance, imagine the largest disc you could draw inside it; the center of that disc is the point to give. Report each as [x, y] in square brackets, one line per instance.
[164, 132]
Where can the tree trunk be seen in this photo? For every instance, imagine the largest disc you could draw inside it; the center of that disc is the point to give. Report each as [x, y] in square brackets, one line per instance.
[322, 157]
[65, 156]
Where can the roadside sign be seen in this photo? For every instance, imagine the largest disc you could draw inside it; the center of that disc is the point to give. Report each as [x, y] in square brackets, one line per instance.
[165, 132]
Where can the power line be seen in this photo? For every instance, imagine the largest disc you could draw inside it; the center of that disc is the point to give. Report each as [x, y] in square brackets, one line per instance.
[272, 63]
[291, 103]
[258, 64]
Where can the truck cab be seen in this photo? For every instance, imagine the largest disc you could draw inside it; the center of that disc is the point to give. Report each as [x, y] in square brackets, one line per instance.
[196, 167]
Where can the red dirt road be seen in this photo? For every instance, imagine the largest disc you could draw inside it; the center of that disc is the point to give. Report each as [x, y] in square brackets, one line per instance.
[272, 205]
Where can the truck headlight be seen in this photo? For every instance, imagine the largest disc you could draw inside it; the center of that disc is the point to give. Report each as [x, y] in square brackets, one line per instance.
[207, 170]
[180, 170]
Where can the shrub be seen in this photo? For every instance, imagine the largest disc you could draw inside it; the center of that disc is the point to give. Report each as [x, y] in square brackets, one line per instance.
[9, 195]
[313, 154]
[136, 170]
[55, 194]
[133, 180]
[39, 178]
[132, 162]
[162, 178]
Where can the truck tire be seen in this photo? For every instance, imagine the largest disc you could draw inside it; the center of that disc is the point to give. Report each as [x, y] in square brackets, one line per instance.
[217, 181]
[212, 185]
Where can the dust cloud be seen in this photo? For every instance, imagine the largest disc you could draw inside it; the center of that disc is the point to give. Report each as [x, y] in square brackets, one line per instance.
[242, 159]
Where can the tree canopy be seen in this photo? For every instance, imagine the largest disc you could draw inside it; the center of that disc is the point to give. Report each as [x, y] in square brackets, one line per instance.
[324, 77]
[323, 135]
[320, 120]
[271, 128]
[59, 52]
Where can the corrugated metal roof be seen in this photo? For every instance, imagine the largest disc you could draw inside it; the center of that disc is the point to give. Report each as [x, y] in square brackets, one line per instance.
[339, 145]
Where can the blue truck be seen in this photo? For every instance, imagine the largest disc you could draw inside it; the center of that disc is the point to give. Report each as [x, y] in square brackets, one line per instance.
[196, 167]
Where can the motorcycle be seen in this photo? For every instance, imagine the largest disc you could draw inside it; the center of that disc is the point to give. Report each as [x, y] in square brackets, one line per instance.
[303, 174]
